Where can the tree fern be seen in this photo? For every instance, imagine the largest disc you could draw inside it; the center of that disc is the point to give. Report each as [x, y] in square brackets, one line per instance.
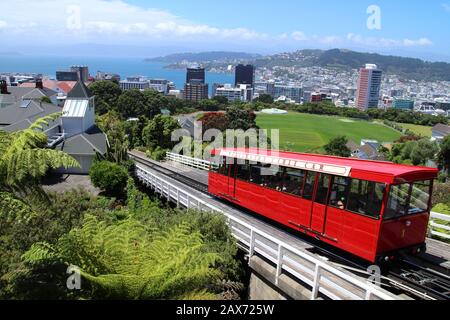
[131, 261]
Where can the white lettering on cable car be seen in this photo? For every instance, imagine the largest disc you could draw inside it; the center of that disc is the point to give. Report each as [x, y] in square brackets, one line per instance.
[306, 165]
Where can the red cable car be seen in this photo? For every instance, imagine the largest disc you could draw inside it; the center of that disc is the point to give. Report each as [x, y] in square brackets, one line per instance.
[370, 209]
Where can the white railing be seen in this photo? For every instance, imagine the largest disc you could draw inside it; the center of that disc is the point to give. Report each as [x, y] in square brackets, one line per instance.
[436, 225]
[322, 277]
[188, 161]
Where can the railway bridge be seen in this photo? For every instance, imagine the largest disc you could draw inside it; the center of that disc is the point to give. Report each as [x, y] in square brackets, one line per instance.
[286, 266]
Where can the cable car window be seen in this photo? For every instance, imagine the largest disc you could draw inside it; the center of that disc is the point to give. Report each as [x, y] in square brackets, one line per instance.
[243, 171]
[366, 198]
[406, 199]
[322, 188]
[256, 174]
[309, 185]
[339, 192]
[293, 181]
[273, 178]
[223, 166]
[420, 197]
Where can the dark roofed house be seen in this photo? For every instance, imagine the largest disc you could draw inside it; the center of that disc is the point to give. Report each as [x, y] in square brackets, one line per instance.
[74, 132]
[440, 131]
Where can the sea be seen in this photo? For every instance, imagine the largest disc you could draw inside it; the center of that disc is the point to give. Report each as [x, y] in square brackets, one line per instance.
[125, 67]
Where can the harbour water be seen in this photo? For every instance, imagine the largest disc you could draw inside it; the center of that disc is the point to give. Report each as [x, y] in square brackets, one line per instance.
[48, 65]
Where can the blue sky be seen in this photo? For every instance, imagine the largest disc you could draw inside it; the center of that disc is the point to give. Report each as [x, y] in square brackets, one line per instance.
[416, 28]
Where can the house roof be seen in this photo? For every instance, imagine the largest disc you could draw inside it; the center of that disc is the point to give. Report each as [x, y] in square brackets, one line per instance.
[79, 91]
[352, 146]
[20, 93]
[15, 113]
[55, 85]
[442, 128]
[87, 143]
[75, 108]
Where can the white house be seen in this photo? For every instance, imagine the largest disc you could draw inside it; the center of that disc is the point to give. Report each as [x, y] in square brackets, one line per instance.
[83, 140]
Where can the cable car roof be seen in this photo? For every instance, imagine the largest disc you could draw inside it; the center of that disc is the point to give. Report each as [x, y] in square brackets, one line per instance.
[346, 167]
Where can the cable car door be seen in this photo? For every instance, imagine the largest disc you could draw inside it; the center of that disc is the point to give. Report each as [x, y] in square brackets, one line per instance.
[232, 181]
[319, 206]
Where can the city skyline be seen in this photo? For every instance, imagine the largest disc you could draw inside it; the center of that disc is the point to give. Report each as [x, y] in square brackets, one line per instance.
[175, 26]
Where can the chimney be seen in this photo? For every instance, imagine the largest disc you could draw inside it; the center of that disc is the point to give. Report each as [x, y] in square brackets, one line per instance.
[3, 87]
[39, 84]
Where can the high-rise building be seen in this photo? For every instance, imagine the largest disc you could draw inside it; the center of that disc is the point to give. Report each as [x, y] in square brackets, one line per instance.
[196, 75]
[83, 72]
[369, 85]
[195, 91]
[245, 74]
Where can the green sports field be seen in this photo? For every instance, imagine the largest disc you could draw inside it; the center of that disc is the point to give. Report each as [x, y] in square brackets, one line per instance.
[307, 133]
[420, 130]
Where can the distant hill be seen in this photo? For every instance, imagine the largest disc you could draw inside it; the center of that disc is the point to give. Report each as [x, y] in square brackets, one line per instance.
[409, 68]
[205, 57]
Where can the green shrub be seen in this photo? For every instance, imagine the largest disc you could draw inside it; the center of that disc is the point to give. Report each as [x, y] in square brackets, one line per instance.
[110, 177]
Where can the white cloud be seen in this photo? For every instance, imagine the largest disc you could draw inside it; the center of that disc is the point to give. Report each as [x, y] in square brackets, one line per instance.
[299, 36]
[446, 7]
[115, 21]
[91, 19]
[386, 42]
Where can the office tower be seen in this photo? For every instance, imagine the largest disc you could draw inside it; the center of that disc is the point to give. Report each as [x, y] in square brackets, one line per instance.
[83, 72]
[245, 74]
[196, 75]
[369, 84]
[195, 91]
[67, 76]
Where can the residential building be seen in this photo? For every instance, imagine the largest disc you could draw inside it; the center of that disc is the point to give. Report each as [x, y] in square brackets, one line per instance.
[107, 76]
[294, 93]
[82, 139]
[316, 97]
[160, 85]
[137, 82]
[245, 74]
[233, 94]
[369, 85]
[195, 91]
[21, 106]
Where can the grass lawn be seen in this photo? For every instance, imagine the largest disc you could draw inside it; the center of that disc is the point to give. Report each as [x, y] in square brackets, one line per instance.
[307, 133]
[420, 130]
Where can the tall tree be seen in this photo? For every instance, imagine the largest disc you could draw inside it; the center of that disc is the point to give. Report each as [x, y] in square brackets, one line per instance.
[158, 132]
[444, 154]
[106, 94]
[338, 147]
[131, 104]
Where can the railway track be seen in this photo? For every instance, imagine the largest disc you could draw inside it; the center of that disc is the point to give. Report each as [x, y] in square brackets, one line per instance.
[406, 275]
[171, 173]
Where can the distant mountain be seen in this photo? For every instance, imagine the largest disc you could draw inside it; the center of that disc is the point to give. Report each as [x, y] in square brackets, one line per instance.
[409, 68]
[205, 57]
